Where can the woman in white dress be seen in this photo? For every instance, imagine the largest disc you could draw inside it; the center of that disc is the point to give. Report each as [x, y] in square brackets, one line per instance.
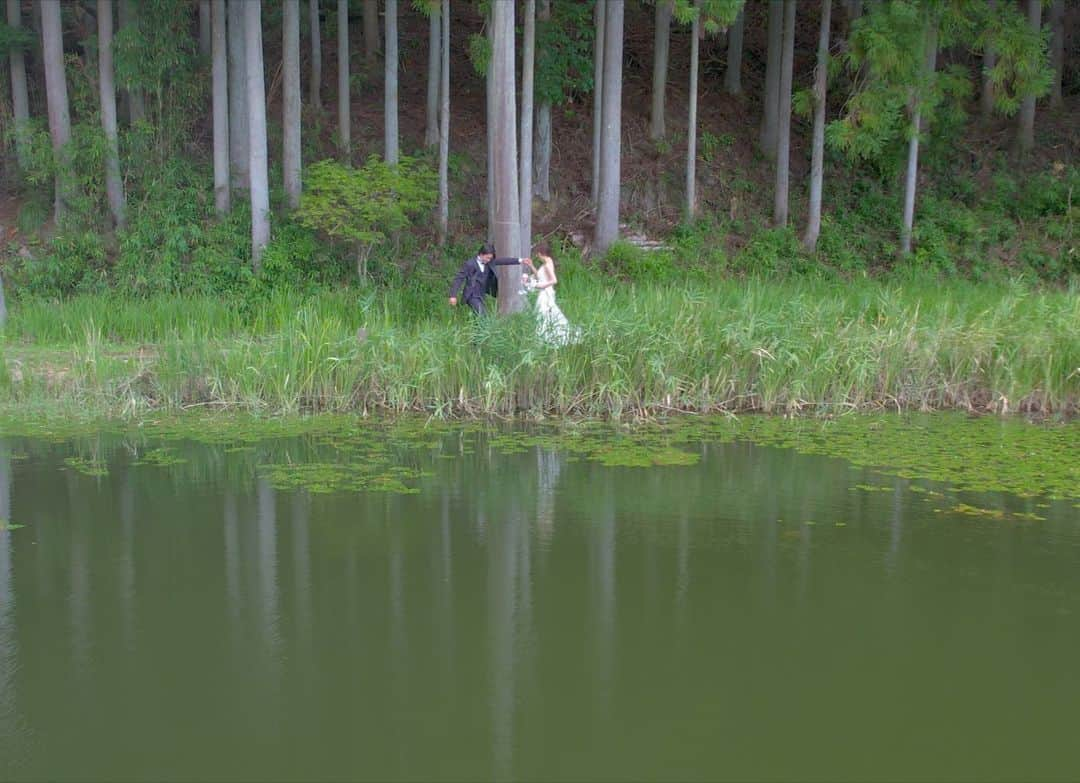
[552, 324]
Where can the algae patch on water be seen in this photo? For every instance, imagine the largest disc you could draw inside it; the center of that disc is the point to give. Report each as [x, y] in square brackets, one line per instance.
[330, 453]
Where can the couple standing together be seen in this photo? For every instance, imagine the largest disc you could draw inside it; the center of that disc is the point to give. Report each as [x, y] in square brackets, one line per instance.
[476, 279]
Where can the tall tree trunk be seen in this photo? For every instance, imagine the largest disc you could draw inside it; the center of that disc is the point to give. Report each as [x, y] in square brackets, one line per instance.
[344, 117]
[691, 125]
[989, 60]
[204, 28]
[371, 31]
[733, 72]
[434, 72]
[390, 96]
[607, 213]
[504, 122]
[817, 164]
[256, 103]
[783, 125]
[315, 84]
[444, 125]
[772, 78]
[220, 78]
[661, 48]
[19, 97]
[136, 103]
[114, 186]
[239, 148]
[1057, 50]
[57, 99]
[489, 163]
[291, 163]
[543, 132]
[598, 97]
[930, 38]
[1025, 138]
[525, 173]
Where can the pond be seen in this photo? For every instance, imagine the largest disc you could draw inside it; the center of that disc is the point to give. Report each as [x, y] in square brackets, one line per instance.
[470, 602]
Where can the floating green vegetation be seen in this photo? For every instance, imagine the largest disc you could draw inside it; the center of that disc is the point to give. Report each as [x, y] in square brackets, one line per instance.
[88, 467]
[328, 477]
[161, 457]
[993, 513]
[6, 525]
[337, 452]
[978, 454]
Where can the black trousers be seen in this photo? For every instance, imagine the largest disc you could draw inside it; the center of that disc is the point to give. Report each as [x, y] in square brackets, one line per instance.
[477, 304]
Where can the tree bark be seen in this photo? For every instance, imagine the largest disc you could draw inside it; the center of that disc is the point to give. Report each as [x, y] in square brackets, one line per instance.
[661, 49]
[114, 186]
[239, 149]
[817, 163]
[371, 32]
[598, 97]
[136, 104]
[989, 60]
[57, 100]
[525, 173]
[733, 72]
[256, 103]
[489, 127]
[20, 101]
[1025, 139]
[220, 80]
[783, 125]
[691, 124]
[444, 126]
[1057, 50]
[607, 213]
[344, 117]
[291, 162]
[315, 83]
[772, 78]
[507, 216]
[204, 28]
[390, 96]
[431, 112]
[543, 132]
[930, 38]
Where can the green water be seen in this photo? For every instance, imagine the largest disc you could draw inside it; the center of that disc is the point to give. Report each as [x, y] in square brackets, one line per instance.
[469, 610]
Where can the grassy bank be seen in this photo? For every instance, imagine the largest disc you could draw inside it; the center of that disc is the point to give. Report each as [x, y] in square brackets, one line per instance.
[696, 344]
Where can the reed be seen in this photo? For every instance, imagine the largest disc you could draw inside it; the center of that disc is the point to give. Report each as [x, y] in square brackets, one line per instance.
[794, 346]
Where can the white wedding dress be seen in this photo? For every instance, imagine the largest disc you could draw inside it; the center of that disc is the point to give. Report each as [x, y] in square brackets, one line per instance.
[552, 325]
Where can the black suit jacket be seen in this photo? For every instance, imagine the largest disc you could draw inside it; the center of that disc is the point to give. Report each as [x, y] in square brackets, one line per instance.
[473, 284]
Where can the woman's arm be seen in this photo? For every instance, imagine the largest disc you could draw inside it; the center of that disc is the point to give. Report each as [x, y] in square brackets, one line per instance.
[549, 273]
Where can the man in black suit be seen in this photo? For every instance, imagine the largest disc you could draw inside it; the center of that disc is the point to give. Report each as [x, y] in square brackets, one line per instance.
[476, 278]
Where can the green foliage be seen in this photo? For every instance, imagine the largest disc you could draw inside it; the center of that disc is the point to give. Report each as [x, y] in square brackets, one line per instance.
[479, 52]
[364, 206]
[716, 15]
[711, 145]
[15, 39]
[75, 262]
[1022, 64]
[157, 53]
[564, 43]
[886, 58]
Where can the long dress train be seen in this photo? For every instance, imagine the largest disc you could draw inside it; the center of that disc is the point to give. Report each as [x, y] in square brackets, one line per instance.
[552, 325]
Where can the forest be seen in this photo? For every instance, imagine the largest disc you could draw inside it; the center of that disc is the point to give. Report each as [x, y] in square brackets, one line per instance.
[230, 163]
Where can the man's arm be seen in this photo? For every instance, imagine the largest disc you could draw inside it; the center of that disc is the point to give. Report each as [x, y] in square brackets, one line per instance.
[505, 261]
[458, 282]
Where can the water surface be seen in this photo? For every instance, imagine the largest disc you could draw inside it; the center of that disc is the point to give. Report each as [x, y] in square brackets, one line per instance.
[525, 614]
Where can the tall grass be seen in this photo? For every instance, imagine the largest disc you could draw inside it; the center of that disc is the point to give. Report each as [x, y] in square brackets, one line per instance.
[795, 345]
